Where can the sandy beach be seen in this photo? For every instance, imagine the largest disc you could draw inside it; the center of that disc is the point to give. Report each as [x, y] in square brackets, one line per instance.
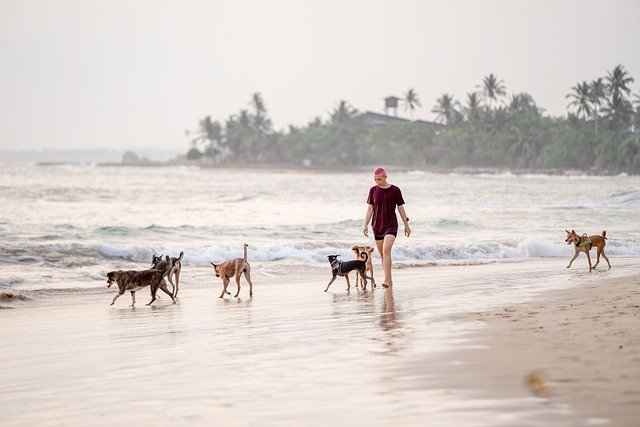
[294, 355]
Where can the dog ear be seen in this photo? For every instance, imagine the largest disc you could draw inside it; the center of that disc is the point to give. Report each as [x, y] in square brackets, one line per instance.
[213, 264]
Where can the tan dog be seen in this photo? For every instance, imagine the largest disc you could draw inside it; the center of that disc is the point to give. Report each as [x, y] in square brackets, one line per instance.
[585, 243]
[234, 267]
[360, 251]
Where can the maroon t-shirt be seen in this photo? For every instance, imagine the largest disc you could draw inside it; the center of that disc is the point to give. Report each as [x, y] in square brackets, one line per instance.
[384, 201]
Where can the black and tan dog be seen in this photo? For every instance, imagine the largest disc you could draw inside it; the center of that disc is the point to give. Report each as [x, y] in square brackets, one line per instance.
[159, 264]
[360, 251]
[584, 244]
[133, 280]
[234, 267]
[343, 268]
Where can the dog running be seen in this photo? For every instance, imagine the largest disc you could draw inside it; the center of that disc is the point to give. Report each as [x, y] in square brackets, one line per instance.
[360, 251]
[584, 244]
[133, 280]
[159, 264]
[343, 268]
[234, 267]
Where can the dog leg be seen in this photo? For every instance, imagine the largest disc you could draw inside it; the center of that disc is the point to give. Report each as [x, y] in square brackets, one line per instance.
[346, 276]
[133, 298]
[597, 257]
[173, 286]
[605, 257]
[574, 258]
[247, 275]
[332, 280]
[164, 289]
[589, 259]
[238, 273]
[153, 292]
[225, 283]
[177, 273]
[116, 297]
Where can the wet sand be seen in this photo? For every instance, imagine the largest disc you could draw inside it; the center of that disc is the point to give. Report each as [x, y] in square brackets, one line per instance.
[294, 355]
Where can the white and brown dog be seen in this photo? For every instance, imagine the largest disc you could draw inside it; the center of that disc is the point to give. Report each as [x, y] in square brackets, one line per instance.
[360, 251]
[584, 244]
[234, 267]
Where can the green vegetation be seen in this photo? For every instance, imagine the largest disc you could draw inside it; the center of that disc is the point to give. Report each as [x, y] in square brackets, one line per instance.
[601, 133]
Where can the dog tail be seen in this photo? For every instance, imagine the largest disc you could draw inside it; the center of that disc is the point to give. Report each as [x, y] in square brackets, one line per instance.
[604, 234]
[245, 252]
[366, 256]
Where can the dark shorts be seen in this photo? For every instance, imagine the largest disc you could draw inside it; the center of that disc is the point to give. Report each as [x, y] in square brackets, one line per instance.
[376, 237]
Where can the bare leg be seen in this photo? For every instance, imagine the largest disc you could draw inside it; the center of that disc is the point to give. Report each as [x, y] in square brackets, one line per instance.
[387, 245]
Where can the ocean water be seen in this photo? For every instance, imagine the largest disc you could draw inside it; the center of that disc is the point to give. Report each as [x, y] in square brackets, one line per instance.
[292, 354]
[66, 226]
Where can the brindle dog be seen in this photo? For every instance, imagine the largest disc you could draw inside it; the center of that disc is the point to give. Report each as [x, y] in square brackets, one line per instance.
[132, 281]
[584, 244]
[234, 267]
[161, 265]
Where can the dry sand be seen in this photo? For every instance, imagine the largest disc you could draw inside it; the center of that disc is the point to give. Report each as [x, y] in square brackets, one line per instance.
[576, 348]
[293, 355]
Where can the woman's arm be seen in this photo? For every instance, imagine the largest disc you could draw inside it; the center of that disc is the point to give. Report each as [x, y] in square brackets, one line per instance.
[367, 218]
[405, 220]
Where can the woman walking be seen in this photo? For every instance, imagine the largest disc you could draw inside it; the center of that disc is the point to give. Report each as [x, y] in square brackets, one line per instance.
[382, 200]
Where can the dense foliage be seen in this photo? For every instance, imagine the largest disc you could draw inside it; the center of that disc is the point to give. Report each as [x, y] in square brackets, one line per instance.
[490, 129]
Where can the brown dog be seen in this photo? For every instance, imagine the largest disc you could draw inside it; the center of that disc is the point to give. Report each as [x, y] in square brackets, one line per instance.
[234, 267]
[360, 251]
[132, 281]
[584, 244]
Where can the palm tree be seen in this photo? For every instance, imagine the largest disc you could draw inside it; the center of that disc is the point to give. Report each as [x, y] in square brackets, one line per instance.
[492, 89]
[597, 96]
[411, 100]
[342, 114]
[618, 81]
[261, 128]
[581, 99]
[210, 134]
[446, 110]
[472, 107]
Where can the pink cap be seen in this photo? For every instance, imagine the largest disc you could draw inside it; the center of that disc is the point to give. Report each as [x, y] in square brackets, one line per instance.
[380, 171]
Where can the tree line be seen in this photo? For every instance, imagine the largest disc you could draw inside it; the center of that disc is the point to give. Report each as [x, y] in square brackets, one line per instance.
[490, 128]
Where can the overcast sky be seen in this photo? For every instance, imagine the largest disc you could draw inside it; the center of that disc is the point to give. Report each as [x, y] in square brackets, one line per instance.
[136, 74]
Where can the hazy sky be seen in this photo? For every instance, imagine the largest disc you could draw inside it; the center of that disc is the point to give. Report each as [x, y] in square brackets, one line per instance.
[131, 74]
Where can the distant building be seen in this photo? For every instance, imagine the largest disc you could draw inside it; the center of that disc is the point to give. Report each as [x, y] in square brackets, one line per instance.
[391, 102]
[370, 118]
